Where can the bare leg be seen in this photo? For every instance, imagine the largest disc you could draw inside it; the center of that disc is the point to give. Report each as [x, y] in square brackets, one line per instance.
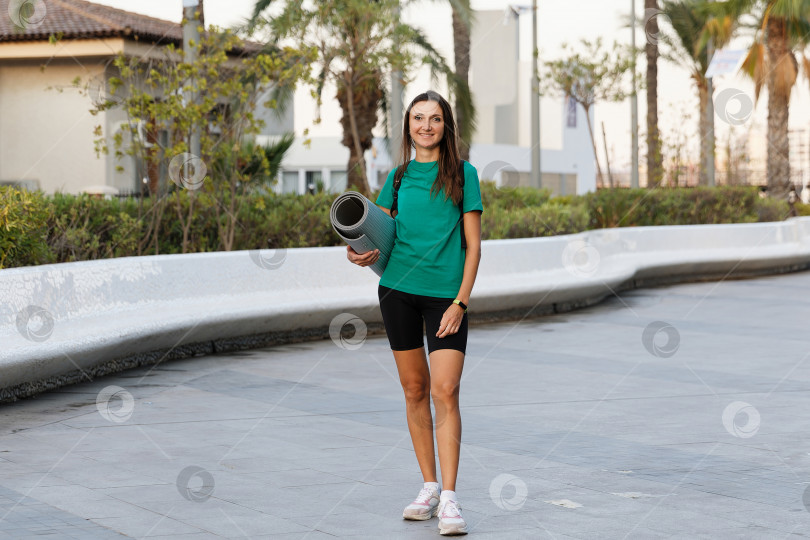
[445, 378]
[414, 376]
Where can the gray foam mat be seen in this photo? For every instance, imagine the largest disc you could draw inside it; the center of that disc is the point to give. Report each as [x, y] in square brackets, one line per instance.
[362, 225]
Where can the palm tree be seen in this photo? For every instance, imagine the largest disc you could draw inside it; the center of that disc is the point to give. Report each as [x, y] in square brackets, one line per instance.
[353, 40]
[465, 111]
[655, 168]
[782, 27]
[688, 19]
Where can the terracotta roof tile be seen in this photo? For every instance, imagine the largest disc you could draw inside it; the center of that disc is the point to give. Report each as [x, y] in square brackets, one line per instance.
[81, 19]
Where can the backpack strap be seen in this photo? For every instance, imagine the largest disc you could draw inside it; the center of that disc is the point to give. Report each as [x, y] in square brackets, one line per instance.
[397, 181]
[400, 172]
[461, 203]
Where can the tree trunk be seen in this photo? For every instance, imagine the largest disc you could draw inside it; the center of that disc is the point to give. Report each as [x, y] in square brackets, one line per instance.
[152, 165]
[705, 125]
[357, 163]
[599, 179]
[654, 165]
[730, 165]
[778, 102]
[607, 157]
[359, 96]
[461, 51]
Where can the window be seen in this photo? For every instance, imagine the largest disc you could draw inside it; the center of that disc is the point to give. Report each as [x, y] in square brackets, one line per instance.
[338, 181]
[289, 182]
[314, 182]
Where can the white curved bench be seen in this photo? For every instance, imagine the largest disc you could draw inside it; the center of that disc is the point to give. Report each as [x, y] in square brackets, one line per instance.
[103, 316]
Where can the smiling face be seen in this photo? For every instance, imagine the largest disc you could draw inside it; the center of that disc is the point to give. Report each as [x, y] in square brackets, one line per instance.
[426, 125]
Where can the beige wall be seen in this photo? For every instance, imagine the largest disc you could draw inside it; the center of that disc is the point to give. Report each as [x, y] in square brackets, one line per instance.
[45, 134]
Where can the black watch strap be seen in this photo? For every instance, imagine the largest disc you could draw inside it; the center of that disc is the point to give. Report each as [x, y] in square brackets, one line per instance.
[460, 303]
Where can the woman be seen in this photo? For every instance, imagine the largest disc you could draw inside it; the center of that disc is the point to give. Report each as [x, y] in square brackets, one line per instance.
[430, 277]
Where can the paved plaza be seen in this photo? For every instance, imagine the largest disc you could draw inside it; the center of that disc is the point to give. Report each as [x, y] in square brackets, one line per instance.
[671, 412]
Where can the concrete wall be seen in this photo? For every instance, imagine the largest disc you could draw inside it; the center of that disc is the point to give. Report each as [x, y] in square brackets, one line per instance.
[47, 135]
[61, 323]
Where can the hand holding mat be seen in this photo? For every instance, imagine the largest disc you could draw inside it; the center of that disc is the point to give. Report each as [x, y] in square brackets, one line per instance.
[362, 225]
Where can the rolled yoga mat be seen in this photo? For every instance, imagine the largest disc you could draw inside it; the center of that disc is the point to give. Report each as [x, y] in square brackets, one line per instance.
[362, 225]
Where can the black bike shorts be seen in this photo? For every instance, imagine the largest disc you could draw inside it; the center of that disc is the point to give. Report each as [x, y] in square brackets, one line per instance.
[404, 314]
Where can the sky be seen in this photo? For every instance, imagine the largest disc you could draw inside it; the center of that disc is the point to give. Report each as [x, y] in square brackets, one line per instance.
[559, 21]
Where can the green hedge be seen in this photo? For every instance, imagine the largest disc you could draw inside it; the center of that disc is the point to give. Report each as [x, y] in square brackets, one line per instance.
[23, 228]
[37, 229]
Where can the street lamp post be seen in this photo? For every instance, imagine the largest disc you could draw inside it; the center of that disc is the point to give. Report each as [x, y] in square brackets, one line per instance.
[633, 103]
[536, 165]
[192, 14]
[537, 170]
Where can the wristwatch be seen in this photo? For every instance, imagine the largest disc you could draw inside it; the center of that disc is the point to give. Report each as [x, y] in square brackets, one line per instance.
[460, 303]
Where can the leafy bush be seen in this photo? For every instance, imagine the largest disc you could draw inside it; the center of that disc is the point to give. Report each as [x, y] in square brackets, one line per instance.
[665, 206]
[84, 228]
[35, 229]
[803, 209]
[23, 228]
[510, 198]
[286, 220]
[549, 219]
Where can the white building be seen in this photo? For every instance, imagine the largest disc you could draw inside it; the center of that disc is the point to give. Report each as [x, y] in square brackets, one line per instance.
[501, 149]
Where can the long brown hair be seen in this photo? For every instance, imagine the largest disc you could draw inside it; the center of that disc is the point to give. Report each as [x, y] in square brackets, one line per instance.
[449, 160]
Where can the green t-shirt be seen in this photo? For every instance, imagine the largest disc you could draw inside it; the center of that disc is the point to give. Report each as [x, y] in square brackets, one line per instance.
[427, 258]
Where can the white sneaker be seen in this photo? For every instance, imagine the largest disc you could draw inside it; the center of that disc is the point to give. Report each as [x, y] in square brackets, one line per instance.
[424, 506]
[450, 520]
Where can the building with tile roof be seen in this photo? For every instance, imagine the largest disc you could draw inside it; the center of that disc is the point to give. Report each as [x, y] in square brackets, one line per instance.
[46, 129]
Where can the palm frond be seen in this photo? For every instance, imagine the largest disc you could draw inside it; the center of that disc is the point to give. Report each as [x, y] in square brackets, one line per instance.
[806, 66]
[798, 31]
[687, 23]
[260, 6]
[385, 103]
[790, 10]
[754, 66]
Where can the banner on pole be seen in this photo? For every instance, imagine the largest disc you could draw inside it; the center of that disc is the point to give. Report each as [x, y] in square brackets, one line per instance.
[725, 61]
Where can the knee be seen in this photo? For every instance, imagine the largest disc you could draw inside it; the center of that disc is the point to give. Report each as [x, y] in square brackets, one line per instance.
[416, 391]
[446, 392]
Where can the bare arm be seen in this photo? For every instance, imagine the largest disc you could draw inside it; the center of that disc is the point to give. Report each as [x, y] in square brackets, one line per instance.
[451, 320]
[472, 233]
